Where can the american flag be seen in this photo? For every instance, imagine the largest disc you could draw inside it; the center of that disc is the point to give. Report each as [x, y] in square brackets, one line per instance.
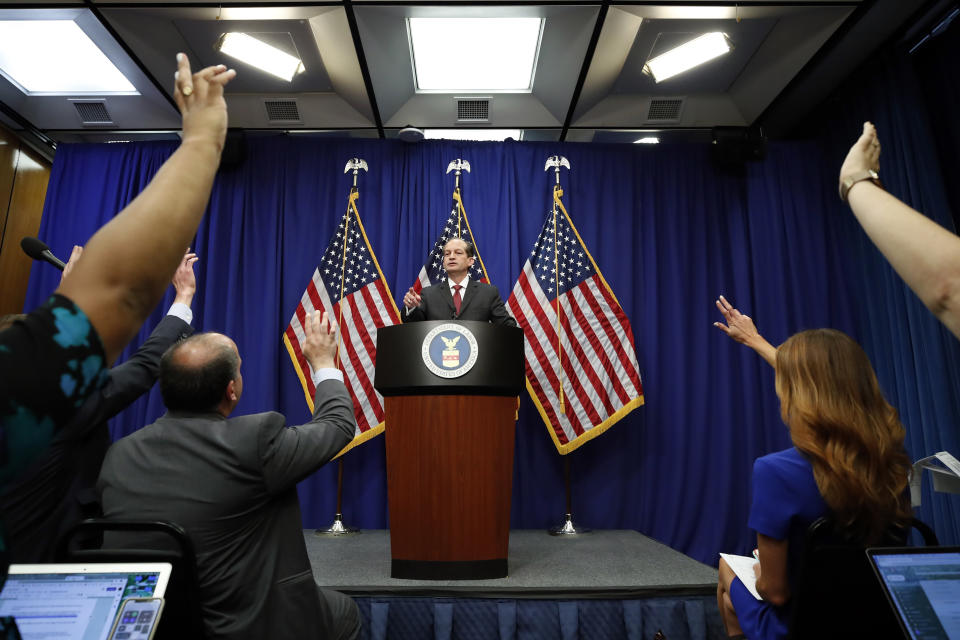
[456, 226]
[361, 303]
[588, 382]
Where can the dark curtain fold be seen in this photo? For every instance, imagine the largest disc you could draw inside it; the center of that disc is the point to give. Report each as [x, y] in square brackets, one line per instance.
[670, 232]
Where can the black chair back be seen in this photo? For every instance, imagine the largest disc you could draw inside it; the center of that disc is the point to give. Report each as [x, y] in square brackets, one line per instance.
[837, 594]
[141, 541]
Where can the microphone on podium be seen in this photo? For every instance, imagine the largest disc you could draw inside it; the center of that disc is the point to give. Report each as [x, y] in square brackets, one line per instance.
[38, 250]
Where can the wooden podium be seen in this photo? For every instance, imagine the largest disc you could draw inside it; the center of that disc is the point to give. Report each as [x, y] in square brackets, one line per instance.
[450, 391]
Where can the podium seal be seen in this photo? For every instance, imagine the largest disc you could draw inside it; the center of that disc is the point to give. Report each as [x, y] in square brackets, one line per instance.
[449, 350]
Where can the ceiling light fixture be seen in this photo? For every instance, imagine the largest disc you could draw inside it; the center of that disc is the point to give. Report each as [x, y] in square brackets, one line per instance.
[648, 140]
[56, 57]
[259, 54]
[688, 55]
[474, 54]
[481, 135]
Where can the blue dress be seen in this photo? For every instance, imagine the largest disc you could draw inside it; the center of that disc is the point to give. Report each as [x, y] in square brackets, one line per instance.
[786, 501]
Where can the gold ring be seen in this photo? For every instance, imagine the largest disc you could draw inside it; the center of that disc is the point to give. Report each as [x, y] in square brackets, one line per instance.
[187, 90]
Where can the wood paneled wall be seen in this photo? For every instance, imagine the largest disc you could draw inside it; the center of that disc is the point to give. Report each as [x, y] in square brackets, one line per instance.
[23, 187]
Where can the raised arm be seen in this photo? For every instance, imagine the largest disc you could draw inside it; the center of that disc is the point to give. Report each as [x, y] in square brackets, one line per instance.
[741, 329]
[291, 454]
[133, 378]
[127, 264]
[926, 255]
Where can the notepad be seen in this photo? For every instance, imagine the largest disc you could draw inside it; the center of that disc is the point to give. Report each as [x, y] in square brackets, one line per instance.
[743, 567]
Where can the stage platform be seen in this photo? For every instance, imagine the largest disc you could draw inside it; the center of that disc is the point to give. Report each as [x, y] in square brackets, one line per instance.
[605, 584]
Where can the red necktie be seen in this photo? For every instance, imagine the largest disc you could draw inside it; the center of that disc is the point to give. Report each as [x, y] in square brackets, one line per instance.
[456, 297]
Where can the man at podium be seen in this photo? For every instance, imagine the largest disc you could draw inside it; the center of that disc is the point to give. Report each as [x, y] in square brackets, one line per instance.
[457, 297]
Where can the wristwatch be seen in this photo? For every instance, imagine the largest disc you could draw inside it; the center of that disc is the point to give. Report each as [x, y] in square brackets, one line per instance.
[854, 178]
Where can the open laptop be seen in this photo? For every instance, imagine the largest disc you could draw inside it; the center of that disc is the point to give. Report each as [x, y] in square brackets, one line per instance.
[76, 601]
[922, 585]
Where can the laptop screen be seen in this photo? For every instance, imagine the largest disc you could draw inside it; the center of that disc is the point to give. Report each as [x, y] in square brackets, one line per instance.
[76, 601]
[923, 585]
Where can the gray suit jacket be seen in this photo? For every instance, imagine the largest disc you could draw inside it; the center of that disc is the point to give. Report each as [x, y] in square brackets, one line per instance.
[482, 302]
[231, 483]
[57, 490]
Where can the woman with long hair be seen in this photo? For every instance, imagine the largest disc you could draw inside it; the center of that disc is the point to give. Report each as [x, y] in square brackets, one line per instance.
[847, 461]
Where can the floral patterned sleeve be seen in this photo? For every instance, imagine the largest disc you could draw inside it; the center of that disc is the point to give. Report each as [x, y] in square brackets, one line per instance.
[50, 362]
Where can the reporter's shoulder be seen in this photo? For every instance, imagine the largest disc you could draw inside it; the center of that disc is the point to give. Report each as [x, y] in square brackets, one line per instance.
[778, 463]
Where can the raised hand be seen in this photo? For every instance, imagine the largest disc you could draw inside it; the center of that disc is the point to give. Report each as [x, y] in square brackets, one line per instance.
[200, 99]
[320, 345]
[741, 328]
[184, 280]
[863, 155]
[738, 326]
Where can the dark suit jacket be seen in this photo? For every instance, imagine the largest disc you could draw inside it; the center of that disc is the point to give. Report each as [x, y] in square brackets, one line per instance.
[482, 302]
[57, 490]
[231, 483]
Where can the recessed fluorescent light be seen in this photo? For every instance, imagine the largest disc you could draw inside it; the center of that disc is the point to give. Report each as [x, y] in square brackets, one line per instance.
[55, 57]
[259, 54]
[474, 54]
[647, 140]
[688, 55]
[483, 135]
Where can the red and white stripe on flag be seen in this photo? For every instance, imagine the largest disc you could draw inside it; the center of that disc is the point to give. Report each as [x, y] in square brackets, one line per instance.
[582, 372]
[350, 287]
[456, 226]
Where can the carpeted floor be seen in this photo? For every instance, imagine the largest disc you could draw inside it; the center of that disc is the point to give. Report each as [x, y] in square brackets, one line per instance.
[600, 564]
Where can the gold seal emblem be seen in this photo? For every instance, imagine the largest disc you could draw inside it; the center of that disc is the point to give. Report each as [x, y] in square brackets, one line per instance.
[451, 355]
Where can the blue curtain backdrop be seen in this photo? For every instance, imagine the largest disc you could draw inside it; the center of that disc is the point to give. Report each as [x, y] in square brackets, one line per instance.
[670, 232]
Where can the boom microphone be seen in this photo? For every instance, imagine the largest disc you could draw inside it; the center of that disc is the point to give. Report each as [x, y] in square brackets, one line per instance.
[38, 250]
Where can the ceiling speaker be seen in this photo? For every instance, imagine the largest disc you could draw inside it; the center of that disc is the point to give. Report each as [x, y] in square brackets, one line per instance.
[733, 146]
[410, 134]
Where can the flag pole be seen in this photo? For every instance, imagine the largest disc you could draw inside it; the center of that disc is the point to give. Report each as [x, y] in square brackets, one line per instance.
[556, 162]
[338, 528]
[556, 271]
[568, 527]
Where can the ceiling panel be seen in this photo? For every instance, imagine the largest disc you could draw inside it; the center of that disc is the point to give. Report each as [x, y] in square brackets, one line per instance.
[359, 77]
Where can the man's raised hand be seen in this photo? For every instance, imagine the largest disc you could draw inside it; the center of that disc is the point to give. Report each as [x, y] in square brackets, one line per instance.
[320, 345]
[184, 280]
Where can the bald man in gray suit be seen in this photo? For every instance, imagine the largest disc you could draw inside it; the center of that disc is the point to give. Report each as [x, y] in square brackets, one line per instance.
[231, 483]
